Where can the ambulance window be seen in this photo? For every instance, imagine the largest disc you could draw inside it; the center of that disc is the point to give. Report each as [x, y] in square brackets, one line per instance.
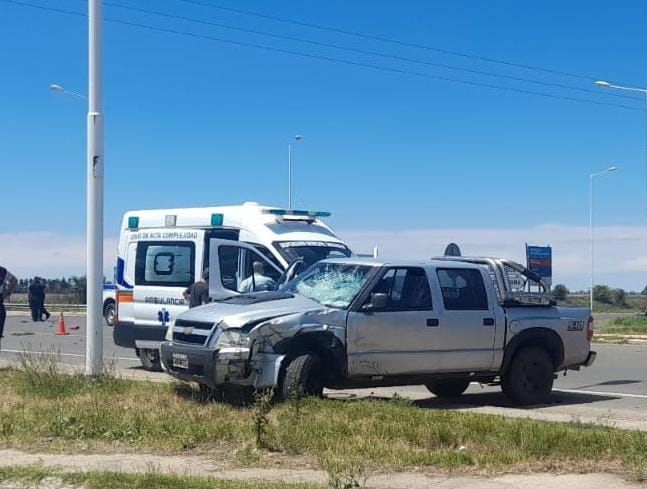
[267, 254]
[165, 263]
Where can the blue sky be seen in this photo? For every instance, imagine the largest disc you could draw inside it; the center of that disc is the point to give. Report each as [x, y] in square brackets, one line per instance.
[196, 122]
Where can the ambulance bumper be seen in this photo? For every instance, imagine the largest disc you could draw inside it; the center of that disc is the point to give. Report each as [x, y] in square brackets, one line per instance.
[131, 335]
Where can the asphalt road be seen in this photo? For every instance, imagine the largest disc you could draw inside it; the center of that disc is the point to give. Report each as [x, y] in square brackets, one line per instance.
[613, 391]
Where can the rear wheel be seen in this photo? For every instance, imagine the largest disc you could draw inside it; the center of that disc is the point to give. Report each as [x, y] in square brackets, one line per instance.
[529, 378]
[110, 313]
[303, 376]
[150, 359]
[448, 387]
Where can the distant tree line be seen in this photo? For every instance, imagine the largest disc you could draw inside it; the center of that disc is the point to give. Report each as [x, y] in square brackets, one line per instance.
[75, 287]
[601, 293]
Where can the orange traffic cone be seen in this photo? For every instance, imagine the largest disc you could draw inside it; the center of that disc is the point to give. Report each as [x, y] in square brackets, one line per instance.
[61, 331]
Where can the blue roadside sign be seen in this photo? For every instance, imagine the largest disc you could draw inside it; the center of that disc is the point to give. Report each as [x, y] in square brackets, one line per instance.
[540, 260]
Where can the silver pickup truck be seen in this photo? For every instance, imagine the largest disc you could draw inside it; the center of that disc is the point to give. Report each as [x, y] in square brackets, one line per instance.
[351, 322]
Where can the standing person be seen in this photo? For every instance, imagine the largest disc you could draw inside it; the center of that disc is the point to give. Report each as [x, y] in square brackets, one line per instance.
[37, 299]
[8, 284]
[258, 281]
[41, 309]
[198, 293]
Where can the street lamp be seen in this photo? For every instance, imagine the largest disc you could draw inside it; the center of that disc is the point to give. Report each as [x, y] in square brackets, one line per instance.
[60, 89]
[297, 138]
[591, 177]
[94, 175]
[604, 84]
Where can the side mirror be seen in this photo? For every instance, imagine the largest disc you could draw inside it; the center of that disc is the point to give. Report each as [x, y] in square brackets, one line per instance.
[378, 301]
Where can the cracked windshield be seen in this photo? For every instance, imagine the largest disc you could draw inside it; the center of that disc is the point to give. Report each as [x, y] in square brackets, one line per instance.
[331, 284]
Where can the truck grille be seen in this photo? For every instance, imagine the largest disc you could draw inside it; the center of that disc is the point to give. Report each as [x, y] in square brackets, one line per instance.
[192, 332]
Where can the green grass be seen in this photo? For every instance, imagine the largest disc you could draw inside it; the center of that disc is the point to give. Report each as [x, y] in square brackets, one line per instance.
[114, 480]
[77, 415]
[634, 303]
[625, 325]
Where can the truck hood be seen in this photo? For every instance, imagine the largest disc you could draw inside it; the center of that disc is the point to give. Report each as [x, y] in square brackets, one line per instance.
[238, 311]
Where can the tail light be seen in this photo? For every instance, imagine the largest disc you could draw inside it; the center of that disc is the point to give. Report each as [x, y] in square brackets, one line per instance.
[589, 330]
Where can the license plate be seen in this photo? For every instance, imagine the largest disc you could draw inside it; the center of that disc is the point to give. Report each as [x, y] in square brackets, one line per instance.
[180, 360]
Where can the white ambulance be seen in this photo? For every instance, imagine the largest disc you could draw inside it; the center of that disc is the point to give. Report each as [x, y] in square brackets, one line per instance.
[162, 252]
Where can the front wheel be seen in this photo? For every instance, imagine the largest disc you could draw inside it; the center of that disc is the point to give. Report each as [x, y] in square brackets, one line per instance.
[303, 376]
[448, 387]
[110, 313]
[529, 378]
[150, 359]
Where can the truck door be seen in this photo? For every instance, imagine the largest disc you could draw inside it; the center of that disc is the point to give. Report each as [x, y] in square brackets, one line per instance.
[399, 338]
[469, 316]
[164, 268]
[231, 269]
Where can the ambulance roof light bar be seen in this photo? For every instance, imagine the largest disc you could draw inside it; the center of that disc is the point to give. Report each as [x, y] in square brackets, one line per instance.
[296, 213]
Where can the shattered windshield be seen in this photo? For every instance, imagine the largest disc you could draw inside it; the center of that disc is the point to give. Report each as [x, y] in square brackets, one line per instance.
[311, 251]
[331, 284]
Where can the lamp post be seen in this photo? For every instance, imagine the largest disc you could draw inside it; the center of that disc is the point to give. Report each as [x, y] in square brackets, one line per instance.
[94, 333]
[591, 177]
[297, 138]
[603, 84]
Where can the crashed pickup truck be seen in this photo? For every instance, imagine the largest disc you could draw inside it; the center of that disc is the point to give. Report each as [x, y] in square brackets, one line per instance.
[365, 323]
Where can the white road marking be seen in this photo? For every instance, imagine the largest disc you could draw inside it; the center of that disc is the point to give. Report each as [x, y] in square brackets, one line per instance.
[602, 393]
[68, 355]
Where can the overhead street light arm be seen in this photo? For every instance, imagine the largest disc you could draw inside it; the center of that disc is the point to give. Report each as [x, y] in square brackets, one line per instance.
[60, 89]
[603, 84]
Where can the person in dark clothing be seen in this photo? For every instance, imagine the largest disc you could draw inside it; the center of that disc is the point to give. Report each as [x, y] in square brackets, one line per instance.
[8, 284]
[198, 293]
[37, 300]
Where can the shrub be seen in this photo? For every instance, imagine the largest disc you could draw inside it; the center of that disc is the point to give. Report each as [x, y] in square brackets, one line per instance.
[602, 293]
[560, 292]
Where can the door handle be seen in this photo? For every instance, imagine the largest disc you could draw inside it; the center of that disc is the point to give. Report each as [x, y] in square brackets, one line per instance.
[488, 322]
[432, 323]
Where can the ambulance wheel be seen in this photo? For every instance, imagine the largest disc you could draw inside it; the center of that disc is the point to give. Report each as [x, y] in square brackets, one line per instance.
[150, 359]
[110, 313]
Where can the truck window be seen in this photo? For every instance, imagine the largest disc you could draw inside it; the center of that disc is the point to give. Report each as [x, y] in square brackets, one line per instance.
[165, 263]
[266, 253]
[463, 289]
[237, 267]
[407, 289]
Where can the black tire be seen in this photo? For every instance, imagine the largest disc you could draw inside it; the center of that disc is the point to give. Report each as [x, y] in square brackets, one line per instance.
[110, 313]
[448, 387]
[302, 376]
[529, 378]
[150, 359]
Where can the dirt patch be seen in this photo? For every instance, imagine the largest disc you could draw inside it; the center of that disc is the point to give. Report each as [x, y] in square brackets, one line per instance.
[203, 467]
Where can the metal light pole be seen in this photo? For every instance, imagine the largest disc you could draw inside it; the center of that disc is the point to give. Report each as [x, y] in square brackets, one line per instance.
[604, 84]
[591, 177]
[297, 138]
[94, 334]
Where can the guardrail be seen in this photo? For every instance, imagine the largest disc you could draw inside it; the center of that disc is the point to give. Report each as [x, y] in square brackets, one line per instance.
[19, 306]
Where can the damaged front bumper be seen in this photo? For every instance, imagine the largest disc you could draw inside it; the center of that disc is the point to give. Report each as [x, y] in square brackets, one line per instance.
[218, 367]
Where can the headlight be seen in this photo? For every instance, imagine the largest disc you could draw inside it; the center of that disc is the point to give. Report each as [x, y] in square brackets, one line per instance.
[232, 338]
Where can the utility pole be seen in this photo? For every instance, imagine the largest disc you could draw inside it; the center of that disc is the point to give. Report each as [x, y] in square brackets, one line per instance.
[297, 138]
[94, 333]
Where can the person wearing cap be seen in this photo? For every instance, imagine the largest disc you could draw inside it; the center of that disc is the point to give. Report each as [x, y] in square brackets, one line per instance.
[198, 293]
[8, 285]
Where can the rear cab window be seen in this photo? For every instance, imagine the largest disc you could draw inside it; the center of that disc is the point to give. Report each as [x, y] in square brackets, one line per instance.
[463, 289]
